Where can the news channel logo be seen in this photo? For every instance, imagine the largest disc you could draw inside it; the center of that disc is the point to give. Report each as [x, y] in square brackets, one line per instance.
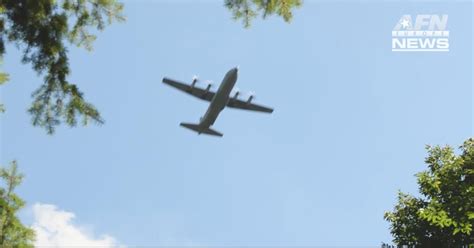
[424, 33]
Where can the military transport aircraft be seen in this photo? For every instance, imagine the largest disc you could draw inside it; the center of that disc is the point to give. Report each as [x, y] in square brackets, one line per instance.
[219, 100]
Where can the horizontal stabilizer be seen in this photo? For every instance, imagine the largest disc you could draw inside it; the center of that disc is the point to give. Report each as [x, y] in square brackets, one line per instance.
[199, 129]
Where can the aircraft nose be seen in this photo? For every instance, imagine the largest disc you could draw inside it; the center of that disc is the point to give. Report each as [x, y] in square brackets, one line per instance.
[233, 72]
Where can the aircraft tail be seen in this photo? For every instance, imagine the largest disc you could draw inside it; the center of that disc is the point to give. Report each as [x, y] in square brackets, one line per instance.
[199, 129]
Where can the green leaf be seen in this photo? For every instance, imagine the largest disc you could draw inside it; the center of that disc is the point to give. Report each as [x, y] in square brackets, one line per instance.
[42, 28]
[443, 213]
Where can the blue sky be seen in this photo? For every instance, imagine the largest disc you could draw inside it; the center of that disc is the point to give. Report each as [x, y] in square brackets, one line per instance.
[350, 125]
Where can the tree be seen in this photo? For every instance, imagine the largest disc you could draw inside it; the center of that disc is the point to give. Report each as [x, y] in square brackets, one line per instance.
[12, 232]
[41, 29]
[247, 9]
[444, 215]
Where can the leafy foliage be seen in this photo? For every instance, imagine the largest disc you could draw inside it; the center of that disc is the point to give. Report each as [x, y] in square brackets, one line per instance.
[247, 9]
[12, 232]
[3, 79]
[41, 28]
[444, 216]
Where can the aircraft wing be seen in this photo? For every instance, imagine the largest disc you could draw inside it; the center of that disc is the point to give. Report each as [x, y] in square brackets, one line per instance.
[236, 103]
[204, 94]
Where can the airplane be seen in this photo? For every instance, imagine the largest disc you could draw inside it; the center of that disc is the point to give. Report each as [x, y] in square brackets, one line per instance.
[218, 101]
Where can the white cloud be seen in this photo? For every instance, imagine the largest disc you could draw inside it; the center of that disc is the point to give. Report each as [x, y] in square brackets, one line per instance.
[54, 228]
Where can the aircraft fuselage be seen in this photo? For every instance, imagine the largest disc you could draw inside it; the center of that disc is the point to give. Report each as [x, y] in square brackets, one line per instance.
[220, 99]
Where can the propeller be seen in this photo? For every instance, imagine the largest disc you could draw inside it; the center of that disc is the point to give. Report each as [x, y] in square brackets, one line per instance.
[235, 93]
[210, 82]
[251, 96]
[195, 79]
[209, 85]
